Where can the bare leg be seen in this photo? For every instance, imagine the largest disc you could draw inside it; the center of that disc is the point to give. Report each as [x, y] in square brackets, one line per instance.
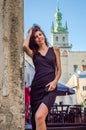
[40, 117]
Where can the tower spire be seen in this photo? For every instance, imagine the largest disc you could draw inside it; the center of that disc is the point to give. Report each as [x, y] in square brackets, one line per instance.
[58, 17]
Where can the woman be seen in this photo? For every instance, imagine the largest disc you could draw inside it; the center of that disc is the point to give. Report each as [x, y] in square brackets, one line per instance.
[43, 88]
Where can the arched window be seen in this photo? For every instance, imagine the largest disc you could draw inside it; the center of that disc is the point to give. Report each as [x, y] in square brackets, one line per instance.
[65, 53]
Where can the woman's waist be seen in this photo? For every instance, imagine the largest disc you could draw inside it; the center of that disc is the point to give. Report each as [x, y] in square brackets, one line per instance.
[43, 80]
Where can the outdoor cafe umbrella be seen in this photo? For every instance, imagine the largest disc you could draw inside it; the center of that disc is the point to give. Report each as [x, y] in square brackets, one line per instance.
[63, 90]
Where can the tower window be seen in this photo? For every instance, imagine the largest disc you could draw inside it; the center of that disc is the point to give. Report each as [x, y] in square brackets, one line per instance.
[56, 38]
[63, 39]
[75, 68]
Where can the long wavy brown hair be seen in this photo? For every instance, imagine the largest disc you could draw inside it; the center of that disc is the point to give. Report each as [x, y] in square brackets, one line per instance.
[33, 46]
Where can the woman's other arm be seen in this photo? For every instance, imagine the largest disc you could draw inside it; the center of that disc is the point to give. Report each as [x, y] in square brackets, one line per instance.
[58, 64]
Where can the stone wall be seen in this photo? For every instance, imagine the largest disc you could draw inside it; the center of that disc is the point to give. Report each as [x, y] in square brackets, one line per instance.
[11, 65]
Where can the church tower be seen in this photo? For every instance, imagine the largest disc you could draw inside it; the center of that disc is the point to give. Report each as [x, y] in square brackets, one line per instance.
[59, 34]
[59, 38]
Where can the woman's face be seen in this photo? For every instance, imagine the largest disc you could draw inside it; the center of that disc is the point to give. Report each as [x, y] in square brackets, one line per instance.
[39, 38]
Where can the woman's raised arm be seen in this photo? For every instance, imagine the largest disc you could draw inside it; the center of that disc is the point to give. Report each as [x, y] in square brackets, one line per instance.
[26, 44]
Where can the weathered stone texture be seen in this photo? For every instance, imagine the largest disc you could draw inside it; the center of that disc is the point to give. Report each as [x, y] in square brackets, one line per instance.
[11, 65]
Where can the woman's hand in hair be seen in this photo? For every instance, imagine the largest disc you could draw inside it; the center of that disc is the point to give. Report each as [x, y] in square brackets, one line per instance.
[26, 44]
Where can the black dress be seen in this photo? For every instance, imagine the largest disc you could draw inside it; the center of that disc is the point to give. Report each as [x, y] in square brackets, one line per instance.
[44, 73]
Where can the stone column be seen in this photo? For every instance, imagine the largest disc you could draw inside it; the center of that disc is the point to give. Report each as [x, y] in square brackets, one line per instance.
[11, 65]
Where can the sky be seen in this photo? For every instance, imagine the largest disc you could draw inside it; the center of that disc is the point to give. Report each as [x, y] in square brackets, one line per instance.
[41, 12]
